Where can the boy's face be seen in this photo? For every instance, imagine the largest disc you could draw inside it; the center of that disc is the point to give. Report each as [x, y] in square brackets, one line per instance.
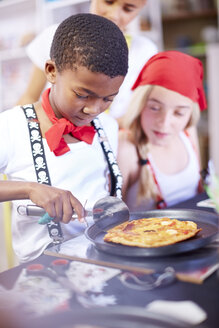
[81, 95]
[121, 12]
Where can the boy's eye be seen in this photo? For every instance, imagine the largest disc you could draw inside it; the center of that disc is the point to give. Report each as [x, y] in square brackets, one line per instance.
[106, 99]
[80, 96]
[109, 2]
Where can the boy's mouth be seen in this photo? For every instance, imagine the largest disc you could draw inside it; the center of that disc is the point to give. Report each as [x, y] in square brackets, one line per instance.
[83, 120]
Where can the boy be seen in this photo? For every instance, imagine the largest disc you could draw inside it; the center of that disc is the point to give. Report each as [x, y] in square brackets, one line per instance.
[89, 60]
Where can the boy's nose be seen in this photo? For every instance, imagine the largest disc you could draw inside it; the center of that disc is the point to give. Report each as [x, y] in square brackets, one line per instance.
[93, 109]
[90, 110]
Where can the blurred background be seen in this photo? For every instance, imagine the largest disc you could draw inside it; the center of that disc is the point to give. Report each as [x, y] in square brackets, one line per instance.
[191, 26]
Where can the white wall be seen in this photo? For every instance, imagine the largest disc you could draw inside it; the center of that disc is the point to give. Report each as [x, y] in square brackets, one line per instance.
[213, 102]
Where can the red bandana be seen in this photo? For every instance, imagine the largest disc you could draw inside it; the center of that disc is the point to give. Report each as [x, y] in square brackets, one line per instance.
[176, 71]
[54, 135]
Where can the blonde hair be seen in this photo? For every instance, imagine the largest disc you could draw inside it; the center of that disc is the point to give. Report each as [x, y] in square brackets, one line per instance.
[132, 121]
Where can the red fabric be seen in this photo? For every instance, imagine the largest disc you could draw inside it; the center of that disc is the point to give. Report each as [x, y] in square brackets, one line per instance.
[54, 135]
[176, 71]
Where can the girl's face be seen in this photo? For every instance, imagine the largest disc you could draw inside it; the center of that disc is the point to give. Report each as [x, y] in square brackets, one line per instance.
[81, 95]
[166, 113]
[121, 12]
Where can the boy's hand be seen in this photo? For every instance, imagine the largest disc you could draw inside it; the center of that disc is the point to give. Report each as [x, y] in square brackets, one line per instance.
[58, 203]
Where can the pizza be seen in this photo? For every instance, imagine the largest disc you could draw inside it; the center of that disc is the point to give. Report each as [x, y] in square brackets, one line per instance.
[151, 232]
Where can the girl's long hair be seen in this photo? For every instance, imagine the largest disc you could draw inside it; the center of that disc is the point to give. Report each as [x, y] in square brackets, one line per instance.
[131, 121]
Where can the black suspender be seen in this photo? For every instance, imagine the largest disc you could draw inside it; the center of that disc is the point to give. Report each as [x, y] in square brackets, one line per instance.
[116, 177]
[39, 160]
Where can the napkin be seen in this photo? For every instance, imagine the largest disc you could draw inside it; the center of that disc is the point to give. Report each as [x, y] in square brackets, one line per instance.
[208, 202]
[211, 184]
[177, 309]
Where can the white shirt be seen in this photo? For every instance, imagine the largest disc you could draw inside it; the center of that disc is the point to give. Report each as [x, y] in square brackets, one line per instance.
[174, 188]
[83, 170]
[140, 51]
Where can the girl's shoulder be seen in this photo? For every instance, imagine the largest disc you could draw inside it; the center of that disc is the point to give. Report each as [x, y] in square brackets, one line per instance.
[191, 134]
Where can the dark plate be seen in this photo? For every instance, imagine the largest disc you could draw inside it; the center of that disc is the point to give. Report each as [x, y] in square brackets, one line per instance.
[205, 220]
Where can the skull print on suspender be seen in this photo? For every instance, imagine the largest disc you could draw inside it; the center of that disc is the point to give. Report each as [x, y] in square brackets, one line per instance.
[116, 177]
[40, 164]
[39, 159]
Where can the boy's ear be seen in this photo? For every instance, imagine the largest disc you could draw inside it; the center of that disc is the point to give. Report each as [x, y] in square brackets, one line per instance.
[50, 70]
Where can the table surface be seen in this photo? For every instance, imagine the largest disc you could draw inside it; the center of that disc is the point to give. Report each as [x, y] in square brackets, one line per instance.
[206, 295]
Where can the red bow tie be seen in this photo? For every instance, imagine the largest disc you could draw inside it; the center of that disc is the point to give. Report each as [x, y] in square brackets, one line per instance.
[54, 135]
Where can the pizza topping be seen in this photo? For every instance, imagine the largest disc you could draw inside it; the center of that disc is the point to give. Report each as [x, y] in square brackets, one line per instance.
[166, 223]
[171, 231]
[129, 227]
[149, 230]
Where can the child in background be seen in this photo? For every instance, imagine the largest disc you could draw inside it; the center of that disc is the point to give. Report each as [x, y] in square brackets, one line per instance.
[89, 60]
[141, 49]
[158, 151]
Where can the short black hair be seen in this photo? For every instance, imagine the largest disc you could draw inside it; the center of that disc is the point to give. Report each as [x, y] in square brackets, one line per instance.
[90, 41]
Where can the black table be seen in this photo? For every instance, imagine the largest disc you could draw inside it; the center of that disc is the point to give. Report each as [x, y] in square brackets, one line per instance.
[206, 295]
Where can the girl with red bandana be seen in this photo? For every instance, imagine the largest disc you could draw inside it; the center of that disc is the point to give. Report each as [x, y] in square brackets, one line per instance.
[158, 149]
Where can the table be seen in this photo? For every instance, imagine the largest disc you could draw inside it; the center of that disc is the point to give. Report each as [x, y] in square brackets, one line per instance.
[206, 295]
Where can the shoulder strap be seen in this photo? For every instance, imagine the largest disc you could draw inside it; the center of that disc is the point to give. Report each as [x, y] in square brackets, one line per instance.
[40, 164]
[160, 202]
[116, 177]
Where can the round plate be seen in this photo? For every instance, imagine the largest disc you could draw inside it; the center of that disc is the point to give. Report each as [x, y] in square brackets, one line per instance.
[206, 220]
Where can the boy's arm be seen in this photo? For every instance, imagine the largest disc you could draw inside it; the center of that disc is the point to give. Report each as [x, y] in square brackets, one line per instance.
[58, 203]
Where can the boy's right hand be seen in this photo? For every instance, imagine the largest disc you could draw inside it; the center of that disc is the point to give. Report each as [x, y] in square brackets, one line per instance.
[58, 203]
